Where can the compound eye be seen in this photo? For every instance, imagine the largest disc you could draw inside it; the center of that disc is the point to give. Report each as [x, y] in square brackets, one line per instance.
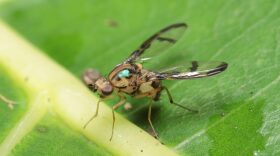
[124, 73]
[107, 90]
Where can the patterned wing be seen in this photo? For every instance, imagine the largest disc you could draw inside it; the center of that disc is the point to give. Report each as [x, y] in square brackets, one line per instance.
[192, 70]
[157, 43]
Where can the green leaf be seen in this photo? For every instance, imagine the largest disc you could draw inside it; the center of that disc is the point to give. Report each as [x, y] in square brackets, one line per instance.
[69, 100]
[239, 110]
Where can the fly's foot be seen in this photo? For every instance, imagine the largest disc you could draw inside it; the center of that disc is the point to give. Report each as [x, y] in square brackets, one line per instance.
[153, 134]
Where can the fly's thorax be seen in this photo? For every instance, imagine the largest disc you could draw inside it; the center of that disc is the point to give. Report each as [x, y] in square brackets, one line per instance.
[149, 86]
[125, 77]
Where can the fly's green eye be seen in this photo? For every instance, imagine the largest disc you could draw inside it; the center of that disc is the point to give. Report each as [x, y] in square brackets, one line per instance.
[123, 73]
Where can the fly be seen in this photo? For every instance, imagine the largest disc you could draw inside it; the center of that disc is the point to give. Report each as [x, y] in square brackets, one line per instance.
[131, 78]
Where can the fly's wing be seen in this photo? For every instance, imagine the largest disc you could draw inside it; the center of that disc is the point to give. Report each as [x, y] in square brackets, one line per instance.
[157, 43]
[191, 70]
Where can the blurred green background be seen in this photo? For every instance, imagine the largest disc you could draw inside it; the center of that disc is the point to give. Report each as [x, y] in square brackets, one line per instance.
[239, 109]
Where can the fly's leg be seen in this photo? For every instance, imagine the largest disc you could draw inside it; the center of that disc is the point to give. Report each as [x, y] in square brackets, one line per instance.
[95, 115]
[150, 120]
[117, 105]
[9, 103]
[172, 102]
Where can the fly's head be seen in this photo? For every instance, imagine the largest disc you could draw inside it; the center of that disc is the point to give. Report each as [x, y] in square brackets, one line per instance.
[97, 83]
[124, 76]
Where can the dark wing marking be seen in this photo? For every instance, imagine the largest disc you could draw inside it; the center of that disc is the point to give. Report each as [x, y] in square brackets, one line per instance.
[192, 70]
[157, 43]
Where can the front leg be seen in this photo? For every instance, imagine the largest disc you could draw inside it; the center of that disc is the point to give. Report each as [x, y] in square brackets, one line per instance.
[96, 113]
[117, 105]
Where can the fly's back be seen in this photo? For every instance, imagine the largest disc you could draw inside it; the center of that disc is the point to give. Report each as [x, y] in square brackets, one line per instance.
[125, 77]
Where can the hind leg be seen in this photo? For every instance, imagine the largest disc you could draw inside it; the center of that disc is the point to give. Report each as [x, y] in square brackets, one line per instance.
[174, 103]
